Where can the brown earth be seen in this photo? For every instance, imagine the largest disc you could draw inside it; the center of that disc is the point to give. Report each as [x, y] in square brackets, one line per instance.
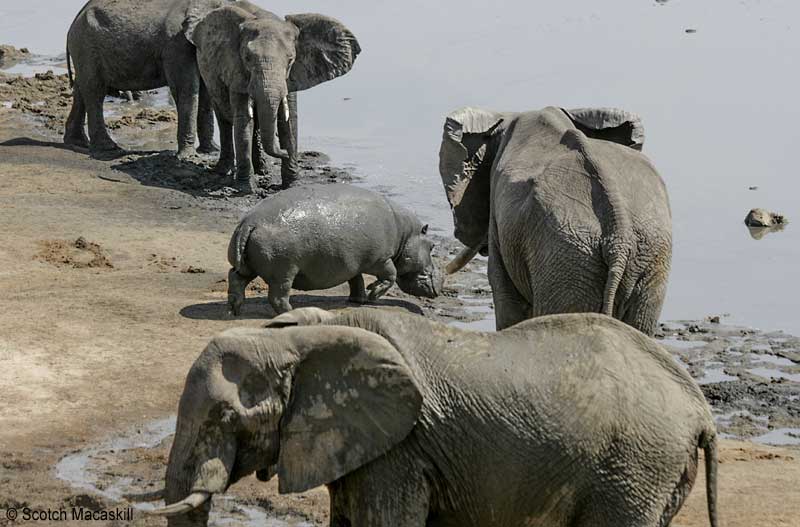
[93, 351]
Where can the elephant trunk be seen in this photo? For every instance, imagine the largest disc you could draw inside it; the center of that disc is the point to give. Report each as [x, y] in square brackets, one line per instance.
[270, 91]
[184, 508]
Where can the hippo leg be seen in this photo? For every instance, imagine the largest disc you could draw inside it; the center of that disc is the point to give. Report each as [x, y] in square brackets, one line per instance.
[279, 289]
[237, 283]
[358, 293]
[386, 274]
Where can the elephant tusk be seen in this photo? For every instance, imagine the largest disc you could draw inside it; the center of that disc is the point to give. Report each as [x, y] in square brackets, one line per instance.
[146, 496]
[190, 502]
[285, 103]
[461, 259]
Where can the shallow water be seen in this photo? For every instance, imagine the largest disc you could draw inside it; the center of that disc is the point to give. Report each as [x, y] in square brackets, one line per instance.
[718, 107]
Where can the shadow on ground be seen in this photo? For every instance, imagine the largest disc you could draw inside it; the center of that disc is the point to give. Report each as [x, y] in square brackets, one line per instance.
[259, 308]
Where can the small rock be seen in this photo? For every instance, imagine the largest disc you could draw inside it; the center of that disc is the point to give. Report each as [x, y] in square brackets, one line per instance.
[714, 319]
[754, 187]
[690, 30]
[764, 218]
[81, 243]
[193, 270]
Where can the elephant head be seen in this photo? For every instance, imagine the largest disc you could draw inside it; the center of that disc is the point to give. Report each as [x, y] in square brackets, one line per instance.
[267, 57]
[470, 143]
[308, 403]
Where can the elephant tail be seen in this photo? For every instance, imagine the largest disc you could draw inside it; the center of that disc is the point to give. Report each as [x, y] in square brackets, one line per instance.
[708, 442]
[69, 70]
[618, 237]
[238, 243]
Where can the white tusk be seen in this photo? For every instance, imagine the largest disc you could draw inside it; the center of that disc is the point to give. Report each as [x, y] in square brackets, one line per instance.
[250, 109]
[461, 259]
[190, 502]
[286, 109]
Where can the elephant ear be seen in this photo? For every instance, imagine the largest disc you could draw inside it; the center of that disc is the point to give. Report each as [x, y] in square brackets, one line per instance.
[353, 398]
[461, 158]
[610, 124]
[196, 12]
[215, 27]
[326, 49]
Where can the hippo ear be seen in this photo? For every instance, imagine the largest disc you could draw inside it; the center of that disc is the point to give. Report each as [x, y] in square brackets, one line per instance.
[353, 398]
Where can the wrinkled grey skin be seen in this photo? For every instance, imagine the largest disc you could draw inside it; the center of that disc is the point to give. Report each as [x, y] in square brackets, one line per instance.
[246, 54]
[576, 420]
[320, 236]
[137, 45]
[572, 222]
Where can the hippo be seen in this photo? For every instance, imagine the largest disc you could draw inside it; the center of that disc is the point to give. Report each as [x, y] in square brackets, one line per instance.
[319, 236]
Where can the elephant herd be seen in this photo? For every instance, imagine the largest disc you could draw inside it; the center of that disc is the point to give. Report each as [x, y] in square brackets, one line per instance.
[568, 415]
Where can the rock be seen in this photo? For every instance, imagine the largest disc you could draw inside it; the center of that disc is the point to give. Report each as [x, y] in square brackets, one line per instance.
[754, 187]
[690, 30]
[763, 218]
[10, 55]
[714, 319]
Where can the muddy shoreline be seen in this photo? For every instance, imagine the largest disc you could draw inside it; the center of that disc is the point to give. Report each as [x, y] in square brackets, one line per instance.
[751, 378]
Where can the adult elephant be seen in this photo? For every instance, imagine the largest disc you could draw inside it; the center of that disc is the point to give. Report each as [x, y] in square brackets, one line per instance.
[246, 54]
[573, 216]
[137, 45]
[413, 423]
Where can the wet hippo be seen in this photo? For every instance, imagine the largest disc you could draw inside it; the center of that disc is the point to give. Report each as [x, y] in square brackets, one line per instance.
[320, 236]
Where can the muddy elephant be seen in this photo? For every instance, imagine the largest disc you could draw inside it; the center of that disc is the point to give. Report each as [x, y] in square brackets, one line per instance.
[247, 55]
[137, 45]
[573, 216]
[574, 419]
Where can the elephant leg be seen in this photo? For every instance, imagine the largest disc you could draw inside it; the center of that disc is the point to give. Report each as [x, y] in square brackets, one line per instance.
[385, 275]
[643, 307]
[205, 122]
[187, 120]
[510, 307]
[237, 283]
[242, 141]
[74, 132]
[358, 292]
[93, 96]
[227, 161]
[385, 493]
[279, 289]
[288, 138]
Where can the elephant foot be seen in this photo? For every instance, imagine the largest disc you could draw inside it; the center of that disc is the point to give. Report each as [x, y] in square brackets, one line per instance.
[211, 148]
[76, 139]
[224, 167]
[247, 185]
[185, 153]
[106, 150]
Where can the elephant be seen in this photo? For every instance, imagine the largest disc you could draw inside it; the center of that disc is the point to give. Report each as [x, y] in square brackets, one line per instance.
[320, 236]
[569, 419]
[246, 54]
[132, 45]
[573, 217]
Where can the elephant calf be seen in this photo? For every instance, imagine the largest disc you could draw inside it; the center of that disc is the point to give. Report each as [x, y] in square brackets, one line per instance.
[574, 420]
[320, 236]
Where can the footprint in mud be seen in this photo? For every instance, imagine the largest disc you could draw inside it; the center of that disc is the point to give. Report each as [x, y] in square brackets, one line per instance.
[133, 465]
[78, 254]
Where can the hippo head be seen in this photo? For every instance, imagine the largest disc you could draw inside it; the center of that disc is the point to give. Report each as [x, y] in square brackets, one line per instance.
[416, 273]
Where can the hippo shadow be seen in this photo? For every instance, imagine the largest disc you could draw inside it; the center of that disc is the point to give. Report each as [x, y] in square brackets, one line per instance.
[258, 308]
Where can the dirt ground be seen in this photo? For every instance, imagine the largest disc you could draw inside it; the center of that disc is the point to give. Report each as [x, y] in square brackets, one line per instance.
[112, 275]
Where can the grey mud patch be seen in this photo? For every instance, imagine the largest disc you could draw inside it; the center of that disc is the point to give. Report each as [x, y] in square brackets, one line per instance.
[750, 377]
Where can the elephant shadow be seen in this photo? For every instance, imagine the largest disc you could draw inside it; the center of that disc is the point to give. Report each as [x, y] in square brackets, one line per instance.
[258, 308]
[193, 175]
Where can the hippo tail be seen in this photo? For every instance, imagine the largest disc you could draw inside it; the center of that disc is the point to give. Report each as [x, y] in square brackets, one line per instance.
[238, 243]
